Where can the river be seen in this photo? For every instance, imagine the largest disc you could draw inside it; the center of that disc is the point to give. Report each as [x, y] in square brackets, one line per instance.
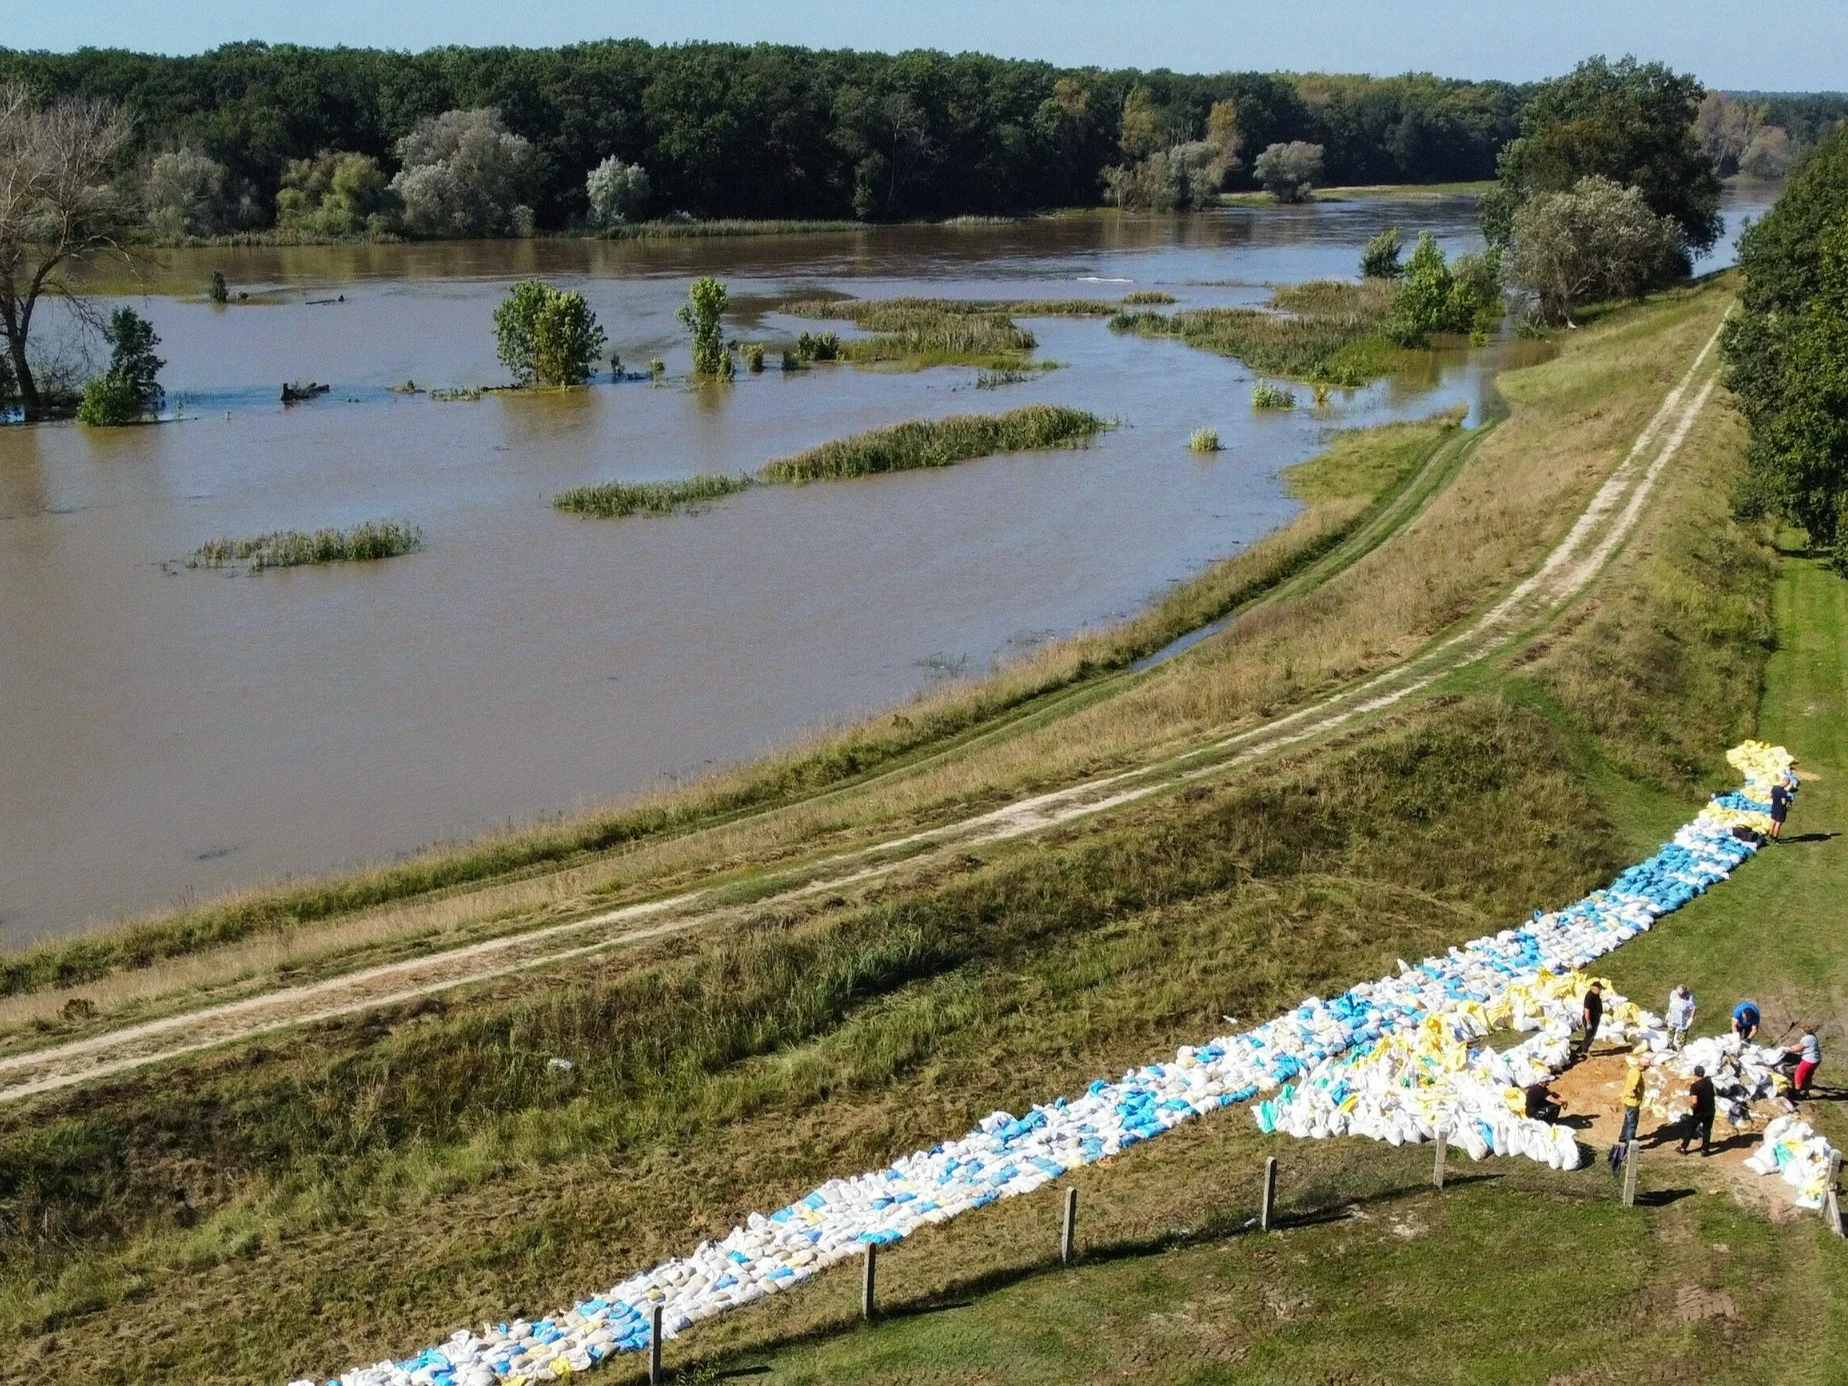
[172, 733]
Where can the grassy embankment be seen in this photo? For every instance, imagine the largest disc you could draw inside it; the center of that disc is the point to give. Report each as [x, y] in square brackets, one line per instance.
[371, 1184]
[292, 548]
[1325, 332]
[1366, 192]
[901, 447]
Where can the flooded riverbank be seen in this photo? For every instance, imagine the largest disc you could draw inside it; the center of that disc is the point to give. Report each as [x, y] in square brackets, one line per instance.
[172, 733]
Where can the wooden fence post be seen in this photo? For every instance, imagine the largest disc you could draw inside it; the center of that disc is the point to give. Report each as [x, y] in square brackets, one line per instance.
[1632, 1155]
[868, 1304]
[654, 1348]
[1437, 1172]
[1270, 1193]
[1068, 1232]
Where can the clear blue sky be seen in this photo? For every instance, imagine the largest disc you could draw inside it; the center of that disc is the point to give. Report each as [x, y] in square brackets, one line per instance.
[1770, 44]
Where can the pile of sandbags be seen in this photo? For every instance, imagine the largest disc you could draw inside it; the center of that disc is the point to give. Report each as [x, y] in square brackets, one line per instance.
[1518, 977]
[1794, 1151]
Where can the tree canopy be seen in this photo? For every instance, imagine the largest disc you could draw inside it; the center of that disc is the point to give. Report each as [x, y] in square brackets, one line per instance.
[1788, 352]
[767, 130]
[1630, 122]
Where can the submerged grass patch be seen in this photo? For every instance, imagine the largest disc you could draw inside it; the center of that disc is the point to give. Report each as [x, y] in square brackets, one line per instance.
[922, 332]
[293, 548]
[1325, 331]
[614, 499]
[937, 443]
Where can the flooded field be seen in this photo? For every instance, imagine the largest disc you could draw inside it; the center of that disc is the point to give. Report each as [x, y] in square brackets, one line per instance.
[171, 733]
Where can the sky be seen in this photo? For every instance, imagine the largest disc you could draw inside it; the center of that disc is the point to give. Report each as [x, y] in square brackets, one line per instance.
[1785, 45]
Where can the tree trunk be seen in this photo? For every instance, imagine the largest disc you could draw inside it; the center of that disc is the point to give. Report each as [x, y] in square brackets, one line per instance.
[22, 375]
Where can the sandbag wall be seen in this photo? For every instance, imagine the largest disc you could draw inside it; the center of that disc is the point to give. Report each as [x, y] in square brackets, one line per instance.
[1455, 995]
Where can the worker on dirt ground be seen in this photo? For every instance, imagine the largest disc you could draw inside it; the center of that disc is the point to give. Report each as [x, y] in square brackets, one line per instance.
[1699, 1120]
[1632, 1109]
[1591, 1015]
[1808, 1054]
[1543, 1104]
[1780, 805]
[1680, 1017]
[1746, 1020]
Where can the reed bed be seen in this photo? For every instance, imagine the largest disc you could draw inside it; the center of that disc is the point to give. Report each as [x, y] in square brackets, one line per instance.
[937, 443]
[1205, 440]
[294, 548]
[615, 499]
[1323, 332]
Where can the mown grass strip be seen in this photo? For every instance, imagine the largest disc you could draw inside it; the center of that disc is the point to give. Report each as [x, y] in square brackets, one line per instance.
[294, 548]
[937, 443]
[615, 499]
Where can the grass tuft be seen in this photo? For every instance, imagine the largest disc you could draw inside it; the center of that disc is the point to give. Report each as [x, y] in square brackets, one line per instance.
[937, 443]
[615, 499]
[294, 548]
[1266, 395]
[1205, 440]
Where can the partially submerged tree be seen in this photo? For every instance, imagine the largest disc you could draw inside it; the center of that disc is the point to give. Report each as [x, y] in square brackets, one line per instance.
[618, 192]
[1598, 240]
[1379, 258]
[130, 389]
[1289, 171]
[547, 336]
[703, 315]
[1629, 122]
[56, 209]
[464, 174]
[1436, 296]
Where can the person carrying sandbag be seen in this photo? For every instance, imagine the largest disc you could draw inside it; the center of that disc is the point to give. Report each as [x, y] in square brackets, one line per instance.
[1632, 1109]
[1746, 1020]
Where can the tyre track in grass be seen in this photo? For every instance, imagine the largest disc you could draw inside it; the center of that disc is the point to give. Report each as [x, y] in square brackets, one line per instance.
[1594, 538]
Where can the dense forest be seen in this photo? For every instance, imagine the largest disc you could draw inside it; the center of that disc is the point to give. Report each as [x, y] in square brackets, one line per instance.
[732, 131]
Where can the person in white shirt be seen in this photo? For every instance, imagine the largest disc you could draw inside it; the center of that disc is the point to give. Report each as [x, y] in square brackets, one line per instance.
[1680, 1016]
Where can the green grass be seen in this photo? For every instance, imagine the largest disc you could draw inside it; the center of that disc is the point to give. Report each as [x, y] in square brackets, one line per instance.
[292, 548]
[1324, 332]
[937, 443]
[1269, 395]
[918, 333]
[613, 499]
[1204, 440]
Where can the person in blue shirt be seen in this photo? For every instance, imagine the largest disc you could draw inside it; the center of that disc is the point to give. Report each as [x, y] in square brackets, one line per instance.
[1780, 805]
[1745, 1020]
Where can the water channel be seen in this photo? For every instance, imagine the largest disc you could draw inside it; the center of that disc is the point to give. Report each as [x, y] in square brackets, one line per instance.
[169, 733]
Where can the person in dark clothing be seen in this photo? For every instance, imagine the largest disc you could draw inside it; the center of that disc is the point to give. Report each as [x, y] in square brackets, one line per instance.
[1592, 1016]
[1543, 1104]
[1780, 805]
[1699, 1121]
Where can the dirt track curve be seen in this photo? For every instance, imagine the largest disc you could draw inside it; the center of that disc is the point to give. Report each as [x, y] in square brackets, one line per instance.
[1607, 520]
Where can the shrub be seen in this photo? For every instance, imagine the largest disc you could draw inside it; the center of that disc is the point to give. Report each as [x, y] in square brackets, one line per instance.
[1289, 171]
[336, 194]
[1204, 440]
[130, 388]
[1434, 298]
[220, 294]
[618, 192]
[703, 315]
[1599, 240]
[463, 174]
[547, 335]
[1379, 259]
[1265, 395]
[181, 189]
[819, 346]
[754, 358]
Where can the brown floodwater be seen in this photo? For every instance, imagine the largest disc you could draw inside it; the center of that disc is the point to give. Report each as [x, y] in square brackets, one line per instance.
[171, 733]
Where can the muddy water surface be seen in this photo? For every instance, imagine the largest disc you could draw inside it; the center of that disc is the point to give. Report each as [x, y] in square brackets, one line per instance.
[171, 733]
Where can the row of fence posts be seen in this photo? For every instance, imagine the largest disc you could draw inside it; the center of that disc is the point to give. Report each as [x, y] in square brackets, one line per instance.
[1068, 1230]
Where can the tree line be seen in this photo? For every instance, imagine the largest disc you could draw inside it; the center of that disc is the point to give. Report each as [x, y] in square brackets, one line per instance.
[250, 133]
